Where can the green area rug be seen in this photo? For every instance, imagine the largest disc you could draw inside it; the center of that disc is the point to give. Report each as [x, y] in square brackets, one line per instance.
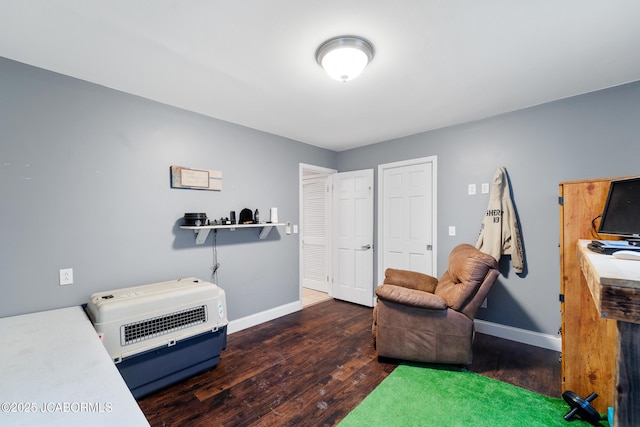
[414, 395]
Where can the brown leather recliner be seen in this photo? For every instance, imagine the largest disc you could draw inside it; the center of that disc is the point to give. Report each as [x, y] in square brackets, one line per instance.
[423, 319]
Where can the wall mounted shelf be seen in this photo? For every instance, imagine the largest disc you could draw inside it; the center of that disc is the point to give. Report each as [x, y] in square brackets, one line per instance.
[202, 232]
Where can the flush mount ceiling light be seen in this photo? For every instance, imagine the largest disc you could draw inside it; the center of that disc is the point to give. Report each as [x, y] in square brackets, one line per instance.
[344, 57]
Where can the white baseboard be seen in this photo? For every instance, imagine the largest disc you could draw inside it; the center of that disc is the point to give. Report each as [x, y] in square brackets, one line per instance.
[264, 316]
[551, 342]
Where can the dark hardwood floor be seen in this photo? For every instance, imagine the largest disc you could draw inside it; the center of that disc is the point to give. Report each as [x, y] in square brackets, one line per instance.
[311, 368]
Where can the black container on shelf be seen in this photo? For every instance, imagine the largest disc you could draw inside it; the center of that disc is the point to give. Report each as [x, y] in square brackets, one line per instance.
[195, 218]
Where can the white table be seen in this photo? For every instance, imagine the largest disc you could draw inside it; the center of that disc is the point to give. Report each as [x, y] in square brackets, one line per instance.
[54, 371]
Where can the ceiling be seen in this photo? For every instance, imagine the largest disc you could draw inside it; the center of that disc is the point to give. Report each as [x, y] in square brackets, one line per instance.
[252, 62]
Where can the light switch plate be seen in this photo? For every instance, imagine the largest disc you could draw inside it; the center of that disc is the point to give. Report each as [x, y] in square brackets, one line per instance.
[472, 189]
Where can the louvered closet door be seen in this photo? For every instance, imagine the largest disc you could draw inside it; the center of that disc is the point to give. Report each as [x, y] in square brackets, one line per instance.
[315, 235]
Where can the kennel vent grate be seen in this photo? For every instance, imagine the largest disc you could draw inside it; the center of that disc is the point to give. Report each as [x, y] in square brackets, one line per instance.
[162, 325]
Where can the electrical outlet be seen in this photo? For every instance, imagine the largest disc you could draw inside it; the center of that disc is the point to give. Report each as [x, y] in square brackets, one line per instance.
[485, 188]
[472, 189]
[66, 276]
[452, 230]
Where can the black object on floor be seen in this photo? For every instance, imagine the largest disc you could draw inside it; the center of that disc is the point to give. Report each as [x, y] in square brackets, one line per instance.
[581, 407]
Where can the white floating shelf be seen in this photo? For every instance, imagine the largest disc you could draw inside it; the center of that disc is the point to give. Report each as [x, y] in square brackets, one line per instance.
[202, 231]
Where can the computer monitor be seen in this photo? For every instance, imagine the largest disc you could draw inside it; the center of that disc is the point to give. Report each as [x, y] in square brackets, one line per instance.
[621, 215]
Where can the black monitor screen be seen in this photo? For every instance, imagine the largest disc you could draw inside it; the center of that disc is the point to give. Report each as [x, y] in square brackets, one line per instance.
[621, 216]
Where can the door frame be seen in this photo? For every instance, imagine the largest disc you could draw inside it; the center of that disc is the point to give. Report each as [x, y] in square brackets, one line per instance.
[380, 217]
[322, 171]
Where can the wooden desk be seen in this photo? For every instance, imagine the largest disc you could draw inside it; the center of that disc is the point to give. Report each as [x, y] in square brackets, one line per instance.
[615, 287]
[56, 372]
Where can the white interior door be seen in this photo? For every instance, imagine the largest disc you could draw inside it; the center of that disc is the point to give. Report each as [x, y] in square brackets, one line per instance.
[315, 227]
[353, 237]
[315, 233]
[406, 216]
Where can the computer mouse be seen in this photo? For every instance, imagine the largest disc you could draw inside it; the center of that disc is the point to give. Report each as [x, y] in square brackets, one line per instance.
[634, 255]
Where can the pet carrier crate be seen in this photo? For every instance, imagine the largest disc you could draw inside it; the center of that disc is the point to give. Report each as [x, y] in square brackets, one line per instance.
[161, 333]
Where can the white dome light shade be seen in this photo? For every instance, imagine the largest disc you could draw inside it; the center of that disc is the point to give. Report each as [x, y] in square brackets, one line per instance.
[344, 58]
[345, 63]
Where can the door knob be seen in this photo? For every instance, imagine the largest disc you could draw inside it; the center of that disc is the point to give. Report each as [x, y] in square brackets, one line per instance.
[365, 248]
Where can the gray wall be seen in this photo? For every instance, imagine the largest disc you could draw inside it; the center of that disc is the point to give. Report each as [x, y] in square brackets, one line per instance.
[84, 180]
[85, 184]
[590, 136]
